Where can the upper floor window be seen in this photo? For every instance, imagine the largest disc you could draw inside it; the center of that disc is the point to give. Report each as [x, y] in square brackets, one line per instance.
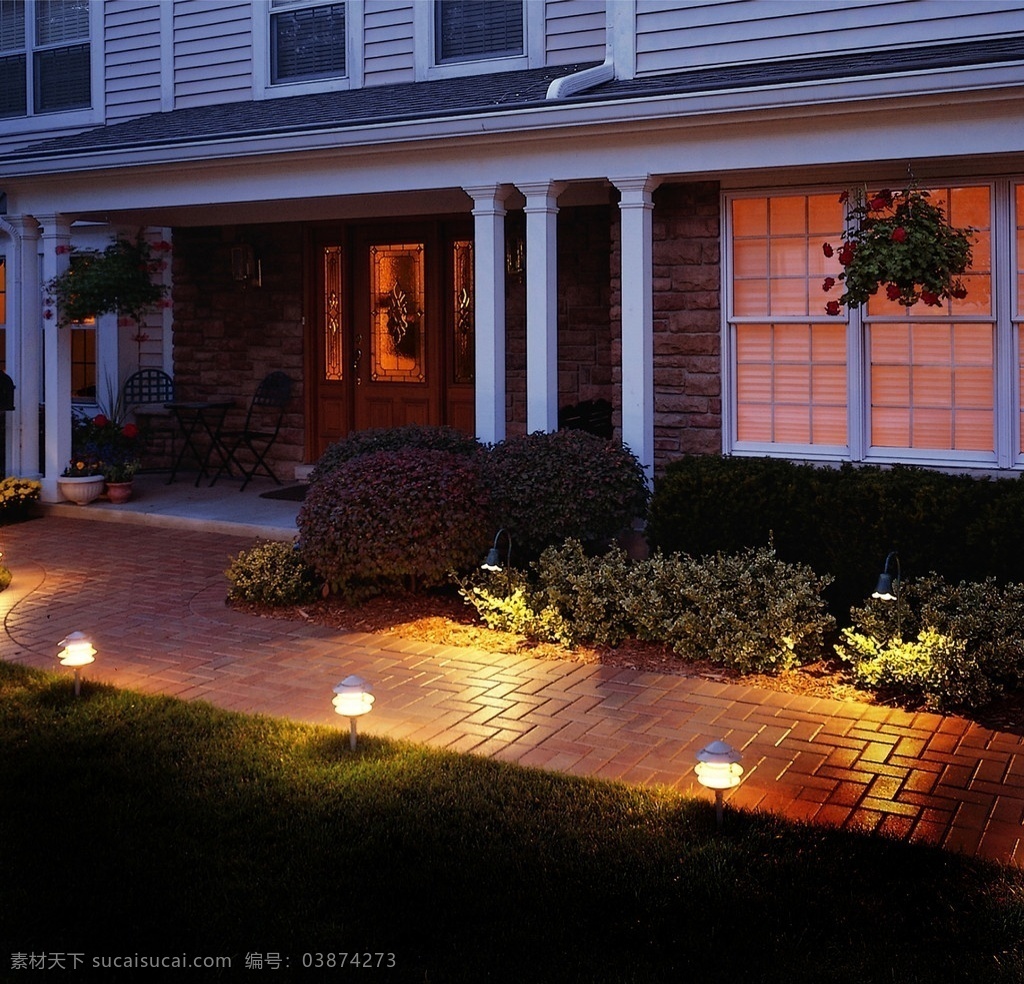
[470, 30]
[44, 56]
[307, 40]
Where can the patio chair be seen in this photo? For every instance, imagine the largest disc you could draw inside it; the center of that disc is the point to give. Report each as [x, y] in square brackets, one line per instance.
[258, 433]
[144, 394]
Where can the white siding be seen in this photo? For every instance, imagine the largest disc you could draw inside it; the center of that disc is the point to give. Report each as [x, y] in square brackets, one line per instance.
[213, 52]
[574, 31]
[673, 36]
[388, 49]
[131, 58]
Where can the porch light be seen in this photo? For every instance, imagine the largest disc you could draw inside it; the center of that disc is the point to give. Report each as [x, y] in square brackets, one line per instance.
[492, 562]
[718, 768]
[888, 588]
[353, 698]
[78, 651]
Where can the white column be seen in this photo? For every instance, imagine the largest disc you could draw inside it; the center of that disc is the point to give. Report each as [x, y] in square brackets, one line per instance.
[56, 237]
[24, 346]
[489, 287]
[635, 208]
[541, 305]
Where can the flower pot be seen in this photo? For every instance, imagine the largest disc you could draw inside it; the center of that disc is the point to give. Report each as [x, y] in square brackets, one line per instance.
[81, 489]
[118, 492]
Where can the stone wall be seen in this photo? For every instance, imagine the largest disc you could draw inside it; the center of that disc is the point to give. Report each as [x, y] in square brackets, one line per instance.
[686, 230]
[228, 336]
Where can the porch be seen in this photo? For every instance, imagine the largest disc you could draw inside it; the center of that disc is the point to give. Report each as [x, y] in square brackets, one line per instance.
[181, 505]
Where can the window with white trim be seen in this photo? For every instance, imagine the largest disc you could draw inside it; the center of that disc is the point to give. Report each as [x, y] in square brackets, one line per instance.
[886, 383]
[307, 40]
[471, 30]
[44, 57]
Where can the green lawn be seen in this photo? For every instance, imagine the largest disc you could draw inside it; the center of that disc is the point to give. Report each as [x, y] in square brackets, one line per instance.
[140, 825]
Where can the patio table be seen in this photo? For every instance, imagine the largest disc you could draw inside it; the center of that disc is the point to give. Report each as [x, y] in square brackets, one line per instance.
[197, 418]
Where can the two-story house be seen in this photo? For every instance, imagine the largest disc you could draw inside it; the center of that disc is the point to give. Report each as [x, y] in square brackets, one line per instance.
[478, 213]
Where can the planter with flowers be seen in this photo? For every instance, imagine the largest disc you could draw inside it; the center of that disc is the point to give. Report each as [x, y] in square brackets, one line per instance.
[899, 242]
[17, 496]
[120, 278]
[102, 450]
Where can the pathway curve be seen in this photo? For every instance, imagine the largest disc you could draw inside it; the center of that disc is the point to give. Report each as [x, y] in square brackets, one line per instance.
[153, 601]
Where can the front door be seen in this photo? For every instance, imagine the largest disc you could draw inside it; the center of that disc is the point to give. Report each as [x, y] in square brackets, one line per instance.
[393, 330]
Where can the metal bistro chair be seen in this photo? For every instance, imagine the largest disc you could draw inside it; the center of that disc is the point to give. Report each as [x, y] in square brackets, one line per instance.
[259, 432]
[144, 394]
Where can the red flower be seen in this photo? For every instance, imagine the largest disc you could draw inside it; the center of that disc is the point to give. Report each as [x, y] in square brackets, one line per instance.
[828, 283]
[882, 200]
[846, 254]
[130, 431]
[827, 249]
[833, 307]
[100, 420]
[60, 250]
[959, 291]
[892, 292]
[929, 298]
[844, 197]
[899, 235]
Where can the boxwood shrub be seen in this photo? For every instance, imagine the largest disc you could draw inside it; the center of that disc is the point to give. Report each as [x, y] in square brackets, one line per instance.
[391, 519]
[271, 573]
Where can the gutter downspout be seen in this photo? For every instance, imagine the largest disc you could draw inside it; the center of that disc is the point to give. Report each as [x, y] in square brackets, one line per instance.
[588, 78]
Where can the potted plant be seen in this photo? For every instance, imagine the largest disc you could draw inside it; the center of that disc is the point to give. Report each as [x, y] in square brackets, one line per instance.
[101, 447]
[902, 242]
[117, 279]
[16, 498]
[119, 474]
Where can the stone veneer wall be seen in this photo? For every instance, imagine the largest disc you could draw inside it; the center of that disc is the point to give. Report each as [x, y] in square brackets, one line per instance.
[227, 336]
[687, 320]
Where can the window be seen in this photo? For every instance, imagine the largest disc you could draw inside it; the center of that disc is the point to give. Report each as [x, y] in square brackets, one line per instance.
[44, 56]
[469, 30]
[920, 384]
[307, 41]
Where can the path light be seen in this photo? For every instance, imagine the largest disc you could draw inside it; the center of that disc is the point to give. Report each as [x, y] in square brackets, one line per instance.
[718, 768]
[353, 698]
[888, 588]
[493, 560]
[78, 651]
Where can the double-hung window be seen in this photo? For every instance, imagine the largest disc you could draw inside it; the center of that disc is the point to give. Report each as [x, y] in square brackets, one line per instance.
[942, 386]
[307, 40]
[471, 30]
[44, 57]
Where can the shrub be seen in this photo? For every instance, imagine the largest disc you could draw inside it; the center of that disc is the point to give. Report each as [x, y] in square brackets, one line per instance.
[5, 578]
[750, 611]
[566, 484]
[393, 439]
[391, 517]
[271, 573]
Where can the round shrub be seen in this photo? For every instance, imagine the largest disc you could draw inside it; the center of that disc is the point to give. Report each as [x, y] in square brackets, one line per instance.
[567, 484]
[393, 439]
[391, 517]
[271, 573]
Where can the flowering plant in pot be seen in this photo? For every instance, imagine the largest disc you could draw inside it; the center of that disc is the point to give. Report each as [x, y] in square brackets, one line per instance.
[119, 278]
[902, 242]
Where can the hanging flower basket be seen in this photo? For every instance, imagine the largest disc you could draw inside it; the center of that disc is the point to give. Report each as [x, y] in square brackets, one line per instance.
[117, 279]
[900, 243]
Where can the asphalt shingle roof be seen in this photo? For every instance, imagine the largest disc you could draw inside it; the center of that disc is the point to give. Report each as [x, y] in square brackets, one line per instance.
[479, 94]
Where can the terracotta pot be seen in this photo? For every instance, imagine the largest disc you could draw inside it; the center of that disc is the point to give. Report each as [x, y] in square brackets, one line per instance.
[81, 489]
[118, 492]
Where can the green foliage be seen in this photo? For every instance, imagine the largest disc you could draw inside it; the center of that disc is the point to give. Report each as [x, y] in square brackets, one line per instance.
[271, 573]
[900, 241]
[117, 279]
[388, 518]
[970, 646]
[549, 487]
[393, 439]
[750, 611]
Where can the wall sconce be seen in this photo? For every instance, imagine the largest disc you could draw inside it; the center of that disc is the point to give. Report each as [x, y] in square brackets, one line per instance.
[515, 256]
[492, 562]
[888, 588]
[245, 268]
[78, 651]
[353, 698]
[718, 768]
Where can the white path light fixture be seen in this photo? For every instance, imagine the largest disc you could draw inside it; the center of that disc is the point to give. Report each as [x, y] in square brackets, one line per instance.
[353, 698]
[78, 651]
[718, 768]
[492, 562]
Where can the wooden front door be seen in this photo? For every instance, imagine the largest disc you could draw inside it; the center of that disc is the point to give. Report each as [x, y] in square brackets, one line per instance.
[392, 334]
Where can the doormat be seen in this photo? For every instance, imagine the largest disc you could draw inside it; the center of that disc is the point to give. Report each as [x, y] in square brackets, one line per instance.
[291, 493]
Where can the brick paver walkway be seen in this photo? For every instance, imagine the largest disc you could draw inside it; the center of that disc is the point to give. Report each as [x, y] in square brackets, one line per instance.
[153, 601]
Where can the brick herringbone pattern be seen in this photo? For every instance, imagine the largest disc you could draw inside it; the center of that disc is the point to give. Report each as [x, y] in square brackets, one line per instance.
[153, 600]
